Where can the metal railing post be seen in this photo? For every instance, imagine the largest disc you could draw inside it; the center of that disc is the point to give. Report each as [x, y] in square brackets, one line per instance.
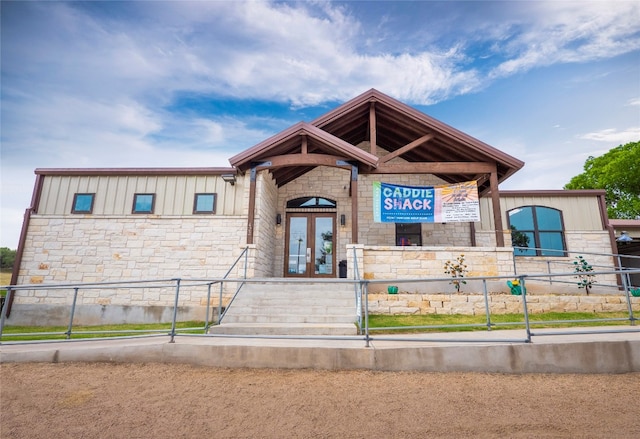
[206, 314]
[626, 281]
[357, 291]
[175, 312]
[525, 309]
[220, 303]
[3, 311]
[246, 261]
[365, 285]
[73, 311]
[486, 304]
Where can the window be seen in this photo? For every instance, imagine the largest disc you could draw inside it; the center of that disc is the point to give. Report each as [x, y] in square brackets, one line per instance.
[83, 203]
[315, 202]
[204, 203]
[539, 228]
[408, 234]
[144, 203]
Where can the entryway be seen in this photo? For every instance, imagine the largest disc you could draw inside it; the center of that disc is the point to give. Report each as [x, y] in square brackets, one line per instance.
[309, 245]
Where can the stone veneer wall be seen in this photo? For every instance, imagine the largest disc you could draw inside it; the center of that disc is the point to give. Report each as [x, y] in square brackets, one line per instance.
[499, 303]
[63, 249]
[394, 263]
[266, 231]
[90, 249]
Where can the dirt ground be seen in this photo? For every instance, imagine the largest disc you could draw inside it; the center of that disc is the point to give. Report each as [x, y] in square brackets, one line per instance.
[181, 401]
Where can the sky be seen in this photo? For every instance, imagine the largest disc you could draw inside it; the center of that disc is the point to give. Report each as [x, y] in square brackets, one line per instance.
[179, 83]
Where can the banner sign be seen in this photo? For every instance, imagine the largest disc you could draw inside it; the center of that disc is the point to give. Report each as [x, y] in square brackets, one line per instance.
[426, 204]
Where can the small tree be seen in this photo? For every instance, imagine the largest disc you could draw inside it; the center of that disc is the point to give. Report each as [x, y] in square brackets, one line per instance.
[457, 270]
[7, 258]
[583, 270]
[519, 239]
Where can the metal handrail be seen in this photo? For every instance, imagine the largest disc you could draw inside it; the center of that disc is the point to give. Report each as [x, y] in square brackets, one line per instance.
[357, 289]
[363, 285]
[221, 314]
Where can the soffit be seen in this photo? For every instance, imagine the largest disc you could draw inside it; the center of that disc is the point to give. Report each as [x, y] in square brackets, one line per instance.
[299, 149]
[396, 125]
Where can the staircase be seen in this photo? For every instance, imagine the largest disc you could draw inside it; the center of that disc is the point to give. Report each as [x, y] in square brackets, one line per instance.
[272, 308]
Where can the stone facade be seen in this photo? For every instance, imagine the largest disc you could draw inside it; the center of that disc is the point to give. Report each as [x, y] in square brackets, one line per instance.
[499, 303]
[401, 263]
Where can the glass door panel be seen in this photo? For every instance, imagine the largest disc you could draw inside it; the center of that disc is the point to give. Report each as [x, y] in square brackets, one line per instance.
[310, 245]
[323, 248]
[297, 246]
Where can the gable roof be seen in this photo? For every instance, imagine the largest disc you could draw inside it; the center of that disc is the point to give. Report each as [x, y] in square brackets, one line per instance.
[397, 125]
[301, 158]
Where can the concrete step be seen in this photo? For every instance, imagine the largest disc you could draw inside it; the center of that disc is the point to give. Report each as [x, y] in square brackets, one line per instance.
[258, 308]
[291, 308]
[289, 319]
[284, 329]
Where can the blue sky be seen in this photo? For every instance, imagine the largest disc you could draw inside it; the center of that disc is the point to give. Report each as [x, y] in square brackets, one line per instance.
[152, 84]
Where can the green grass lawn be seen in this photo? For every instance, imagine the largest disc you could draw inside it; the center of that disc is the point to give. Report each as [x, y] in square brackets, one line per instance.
[466, 322]
[403, 323]
[37, 332]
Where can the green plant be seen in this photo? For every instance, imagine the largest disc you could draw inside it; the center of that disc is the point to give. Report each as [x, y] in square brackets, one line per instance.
[584, 270]
[457, 270]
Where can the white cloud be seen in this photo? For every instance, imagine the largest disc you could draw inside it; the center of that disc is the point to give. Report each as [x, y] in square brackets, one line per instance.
[561, 32]
[613, 136]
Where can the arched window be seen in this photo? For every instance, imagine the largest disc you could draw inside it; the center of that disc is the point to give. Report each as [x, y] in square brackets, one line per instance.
[539, 228]
[310, 202]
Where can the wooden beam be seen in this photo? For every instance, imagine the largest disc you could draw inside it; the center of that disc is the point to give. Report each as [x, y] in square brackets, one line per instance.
[407, 147]
[434, 168]
[304, 149]
[354, 204]
[302, 160]
[252, 205]
[497, 212]
[372, 128]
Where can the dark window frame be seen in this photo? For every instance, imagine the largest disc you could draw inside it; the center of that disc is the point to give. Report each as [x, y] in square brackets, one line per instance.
[204, 212]
[537, 231]
[75, 202]
[301, 203]
[142, 212]
[406, 234]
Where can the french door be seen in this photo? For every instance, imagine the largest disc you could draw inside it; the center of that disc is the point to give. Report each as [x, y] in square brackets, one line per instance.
[309, 246]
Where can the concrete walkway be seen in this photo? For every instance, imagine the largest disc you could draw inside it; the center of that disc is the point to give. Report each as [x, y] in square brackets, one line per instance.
[501, 351]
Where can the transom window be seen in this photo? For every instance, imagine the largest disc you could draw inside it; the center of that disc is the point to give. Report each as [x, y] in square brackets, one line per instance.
[83, 203]
[317, 202]
[143, 203]
[204, 203]
[409, 234]
[539, 228]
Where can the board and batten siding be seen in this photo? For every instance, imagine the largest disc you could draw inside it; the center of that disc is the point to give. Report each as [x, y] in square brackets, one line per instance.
[114, 194]
[579, 212]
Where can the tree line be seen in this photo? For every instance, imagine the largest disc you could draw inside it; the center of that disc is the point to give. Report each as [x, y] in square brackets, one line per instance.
[7, 258]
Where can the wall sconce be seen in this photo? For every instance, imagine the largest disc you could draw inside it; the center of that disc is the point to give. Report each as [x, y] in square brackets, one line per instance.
[343, 220]
[624, 238]
[229, 178]
[278, 219]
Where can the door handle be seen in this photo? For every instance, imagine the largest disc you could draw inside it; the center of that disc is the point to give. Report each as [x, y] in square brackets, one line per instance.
[308, 255]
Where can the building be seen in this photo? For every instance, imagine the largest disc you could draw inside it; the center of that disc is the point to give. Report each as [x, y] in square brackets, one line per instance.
[301, 204]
